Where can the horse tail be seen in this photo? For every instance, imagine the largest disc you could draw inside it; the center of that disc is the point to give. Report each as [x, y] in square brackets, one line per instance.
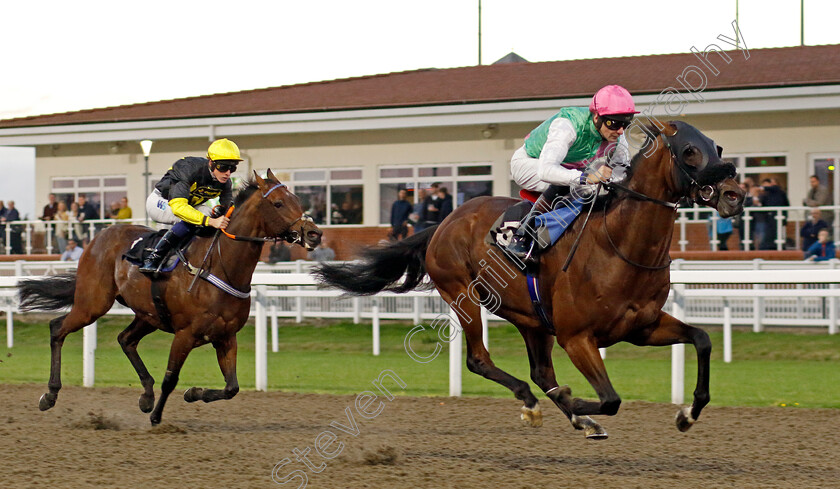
[47, 294]
[380, 268]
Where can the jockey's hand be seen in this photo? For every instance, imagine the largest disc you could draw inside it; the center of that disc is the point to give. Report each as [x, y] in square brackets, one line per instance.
[602, 174]
[220, 222]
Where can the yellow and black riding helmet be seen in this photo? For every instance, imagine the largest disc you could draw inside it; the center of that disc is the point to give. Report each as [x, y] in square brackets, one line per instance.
[225, 153]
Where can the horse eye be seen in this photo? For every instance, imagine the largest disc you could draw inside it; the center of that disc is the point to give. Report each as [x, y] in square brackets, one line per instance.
[689, 151]
[278, 204]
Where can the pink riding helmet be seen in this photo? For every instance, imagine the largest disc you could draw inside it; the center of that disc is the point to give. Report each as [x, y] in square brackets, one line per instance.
[612, 99]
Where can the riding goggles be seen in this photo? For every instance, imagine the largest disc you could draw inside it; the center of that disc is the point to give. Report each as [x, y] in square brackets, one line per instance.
[616, 124]
[225, 167]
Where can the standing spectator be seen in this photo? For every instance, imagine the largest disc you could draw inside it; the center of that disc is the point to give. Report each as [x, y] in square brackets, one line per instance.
[772, 196]
[73, 252]
[62, 226]
[445, 203]
[279, 252]
[2, 210]
[822, 250]
[49, 209]
[76, 218]
[416, 220]
[724, 231]
[431, 211]
[400, 212]
[322, 252]
[11, 215]
[811, 229]
[87, 212]
[818, 195]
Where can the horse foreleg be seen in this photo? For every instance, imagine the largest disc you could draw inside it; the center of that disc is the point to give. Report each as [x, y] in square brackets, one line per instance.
[668, 330]
[583, 352]
[183, 343]
[226, 354]
[540, 344]
[129, 338]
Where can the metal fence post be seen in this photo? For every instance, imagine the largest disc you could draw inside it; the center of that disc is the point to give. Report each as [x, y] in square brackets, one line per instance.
[678, 351]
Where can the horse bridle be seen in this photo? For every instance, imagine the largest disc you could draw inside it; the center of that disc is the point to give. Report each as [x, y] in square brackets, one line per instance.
[679, 163]
[289, 235]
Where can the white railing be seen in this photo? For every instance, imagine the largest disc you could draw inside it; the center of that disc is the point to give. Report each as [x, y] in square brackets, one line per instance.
[681, 279]
[26, 231]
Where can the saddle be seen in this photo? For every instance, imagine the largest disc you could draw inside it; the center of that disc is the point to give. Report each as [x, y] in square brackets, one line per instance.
[143, 246]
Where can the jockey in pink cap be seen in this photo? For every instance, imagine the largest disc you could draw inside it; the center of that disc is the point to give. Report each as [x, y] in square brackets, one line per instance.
[570, 150]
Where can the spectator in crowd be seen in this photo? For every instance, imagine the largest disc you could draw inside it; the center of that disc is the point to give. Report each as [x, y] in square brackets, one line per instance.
[400, 212]
[76, 218]
[72, 252]
[823, 249]
[11, 215]
[62, 225]
[121, 210]
[818, 195]
[2, 210]
[724, 231]
[49, 209]
[87, 212]
[279, 252]
[431, 211]
[445, 203]
[322, 252]
[772, 195]
[417, 211]
[811, 229]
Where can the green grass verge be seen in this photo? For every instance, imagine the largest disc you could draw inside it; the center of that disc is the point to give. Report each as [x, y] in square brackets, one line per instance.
[768, 369]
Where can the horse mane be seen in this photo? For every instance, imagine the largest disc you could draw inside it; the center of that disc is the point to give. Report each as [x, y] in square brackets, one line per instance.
[246, 189]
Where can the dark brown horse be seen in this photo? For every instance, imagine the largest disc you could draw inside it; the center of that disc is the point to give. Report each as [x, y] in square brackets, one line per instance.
[613, 290]
[264, 209]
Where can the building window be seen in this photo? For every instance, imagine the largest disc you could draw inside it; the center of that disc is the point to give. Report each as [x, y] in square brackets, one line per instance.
[98, 190]
[331, 197]
[759, 167]
[463, 181]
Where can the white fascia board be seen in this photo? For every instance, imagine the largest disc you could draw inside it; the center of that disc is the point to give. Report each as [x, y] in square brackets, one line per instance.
[714, 102]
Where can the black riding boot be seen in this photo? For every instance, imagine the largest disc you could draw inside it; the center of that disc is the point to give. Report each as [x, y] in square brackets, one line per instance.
[163, 246]
[523, 243]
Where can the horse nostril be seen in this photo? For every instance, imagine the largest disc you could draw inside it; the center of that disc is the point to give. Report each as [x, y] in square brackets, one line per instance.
[731, 196]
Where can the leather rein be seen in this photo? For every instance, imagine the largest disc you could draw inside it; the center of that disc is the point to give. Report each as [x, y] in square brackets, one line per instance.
[706, 193]
[290, 236]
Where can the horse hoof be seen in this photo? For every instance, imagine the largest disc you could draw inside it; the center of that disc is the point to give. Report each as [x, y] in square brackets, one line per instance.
[146, 403]
[193, 394]
[47, 401]
[684, 419]
[154, 419]
[531, 416]
[595, 433]
[591, 429]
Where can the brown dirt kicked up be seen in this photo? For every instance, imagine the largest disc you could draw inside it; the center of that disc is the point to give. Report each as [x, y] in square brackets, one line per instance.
[99, 438]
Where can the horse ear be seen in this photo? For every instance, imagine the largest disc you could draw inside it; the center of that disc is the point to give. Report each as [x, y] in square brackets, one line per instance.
[720, 151]
[259, 181]
[269, 175]
[669, 129]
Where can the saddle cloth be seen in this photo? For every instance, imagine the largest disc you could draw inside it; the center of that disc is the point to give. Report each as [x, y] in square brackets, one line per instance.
[143, 246]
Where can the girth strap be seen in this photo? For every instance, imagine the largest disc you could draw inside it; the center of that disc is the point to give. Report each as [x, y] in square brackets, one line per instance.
[536, 301]
[158, 289]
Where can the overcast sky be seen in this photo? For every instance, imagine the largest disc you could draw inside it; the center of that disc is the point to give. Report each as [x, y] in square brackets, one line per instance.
[62, 56]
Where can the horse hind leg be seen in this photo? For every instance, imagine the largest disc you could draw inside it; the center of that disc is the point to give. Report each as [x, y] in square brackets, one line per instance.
[226, 354]
[128, 339]
[479, 362]
[60, 327]
[539, 344]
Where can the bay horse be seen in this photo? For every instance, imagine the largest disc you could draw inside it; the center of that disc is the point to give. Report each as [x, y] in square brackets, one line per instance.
[613, 290]
[265, 210]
